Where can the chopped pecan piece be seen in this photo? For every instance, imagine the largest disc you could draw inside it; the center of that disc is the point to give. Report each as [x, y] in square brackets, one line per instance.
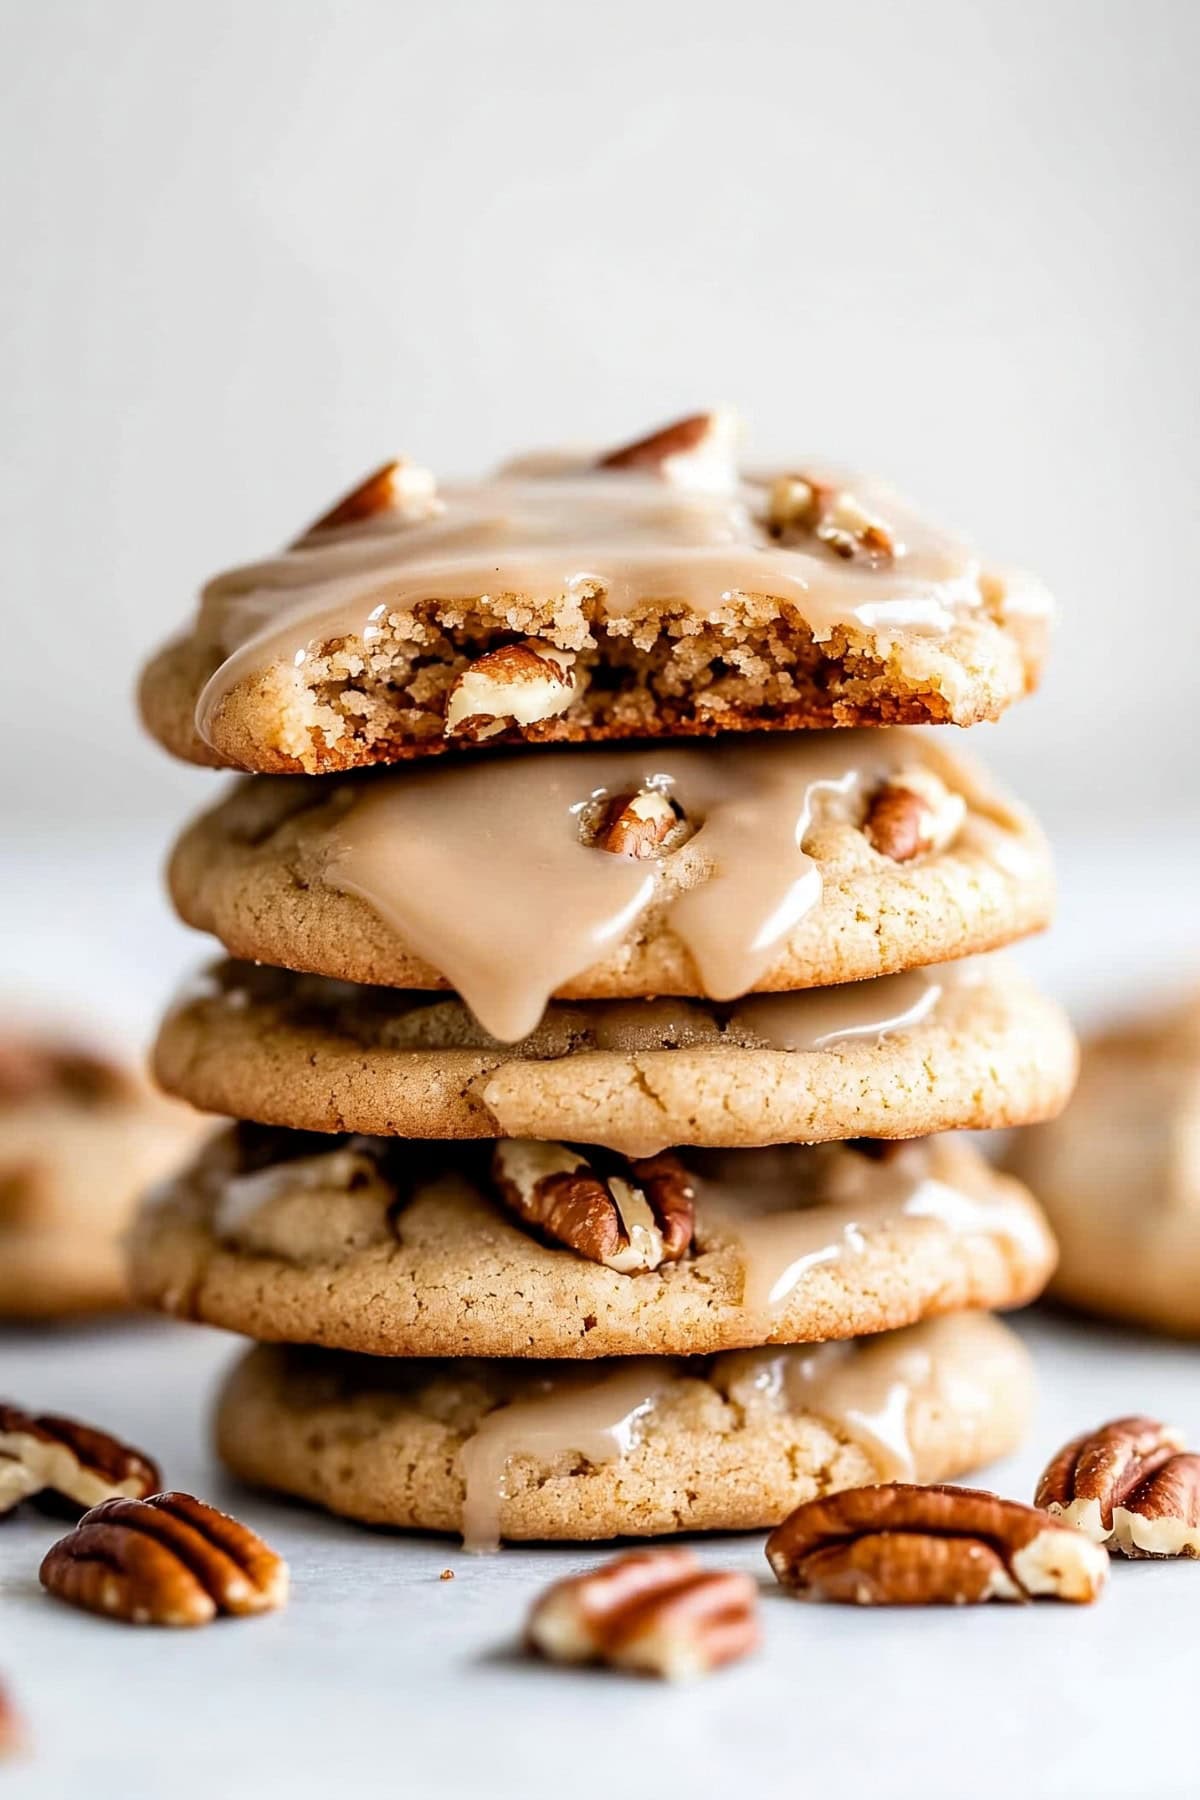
[800, 505]
[636, 825]
[168, 1560]
[396, 486]
[1128, 1485]
[913, 813]
[658, 1612]
[630, 1216]
[42, 1453]
[696, 452]
[901, 1545]
[515, 684]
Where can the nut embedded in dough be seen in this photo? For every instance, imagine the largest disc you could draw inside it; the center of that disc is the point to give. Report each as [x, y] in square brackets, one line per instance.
[398, 486]
[697, 452]
[636, 825]
[517, 684]
[913, 814]
[630, 1216]
[802, 505]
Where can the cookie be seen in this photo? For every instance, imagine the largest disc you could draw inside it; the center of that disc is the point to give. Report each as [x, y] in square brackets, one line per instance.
[637, 1447]
[703, 870]
[396, 1249]
[968, 1045]
[655, 591]
[1119, 1174]
[80, 1140]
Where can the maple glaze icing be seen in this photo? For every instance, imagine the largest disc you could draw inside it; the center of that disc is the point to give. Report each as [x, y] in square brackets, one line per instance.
[487, 872]
[573, 1410]
[866, 1389]
[796, 1207]
[559, 532]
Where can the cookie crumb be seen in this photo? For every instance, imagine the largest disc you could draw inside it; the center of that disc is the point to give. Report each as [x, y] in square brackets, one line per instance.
[446, 1575]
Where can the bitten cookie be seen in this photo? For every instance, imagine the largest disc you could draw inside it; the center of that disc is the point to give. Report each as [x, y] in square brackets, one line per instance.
[656, 590]
[1119, 1174]
[639, 1447]
[700, 870]
[80, 1140]
[532, 1249]
[968, 1045]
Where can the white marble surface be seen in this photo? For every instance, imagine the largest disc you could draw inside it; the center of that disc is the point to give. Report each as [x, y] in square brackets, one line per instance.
[380, 1678]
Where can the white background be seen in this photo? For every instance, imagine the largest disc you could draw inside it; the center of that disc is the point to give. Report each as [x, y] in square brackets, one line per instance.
[252, 248]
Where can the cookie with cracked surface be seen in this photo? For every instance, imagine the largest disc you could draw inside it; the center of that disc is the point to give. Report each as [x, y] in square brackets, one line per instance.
[970, 1044]
[637, 1447]
[697, 870]
[1119, 1174]
[656, 591]
[396, 1249]
[81, 1137]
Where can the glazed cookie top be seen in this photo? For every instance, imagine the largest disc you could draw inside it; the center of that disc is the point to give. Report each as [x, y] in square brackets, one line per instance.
[547, 1250]
[658, 589]
[589, 874]
[969, 1044]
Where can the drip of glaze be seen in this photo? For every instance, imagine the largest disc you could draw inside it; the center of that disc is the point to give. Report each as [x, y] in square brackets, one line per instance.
[795, 1208]
[868, 1388]
[573, 1411]
[486, 870]
[820, 1018]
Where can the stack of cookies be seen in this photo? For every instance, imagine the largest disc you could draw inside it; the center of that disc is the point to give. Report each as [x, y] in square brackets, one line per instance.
[595, 1006]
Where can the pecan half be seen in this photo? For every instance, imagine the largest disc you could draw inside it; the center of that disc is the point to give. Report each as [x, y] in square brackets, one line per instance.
[42, 1453]
[1129, 1486]
[801, 505]
[913, 813]
[900, 1545]
[396, 486]
[658, 1612]
[168, 1560]
[696, 452]
[636, 824]
[630, 1216]
[515, 684]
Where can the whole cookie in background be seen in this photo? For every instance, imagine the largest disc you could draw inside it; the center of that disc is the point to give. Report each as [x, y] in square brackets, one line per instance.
[655, 590]
[538, 1250]
[1119, 1174]
[967, 1045]
[702, 870]
[81, 1139]
[637, 1447]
